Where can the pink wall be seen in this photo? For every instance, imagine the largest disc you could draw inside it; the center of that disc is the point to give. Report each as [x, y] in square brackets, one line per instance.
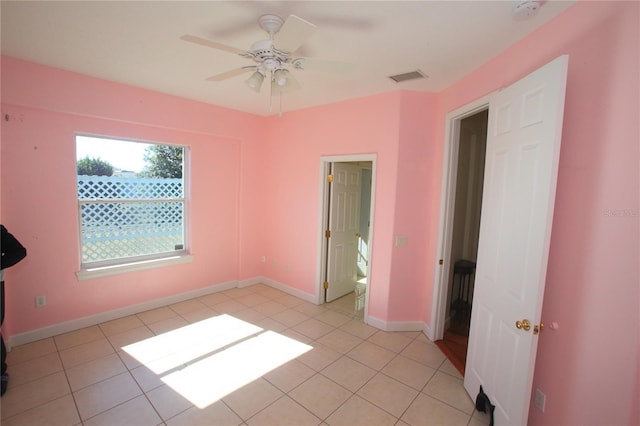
[46, 108]
[261, 176]
[588, 368]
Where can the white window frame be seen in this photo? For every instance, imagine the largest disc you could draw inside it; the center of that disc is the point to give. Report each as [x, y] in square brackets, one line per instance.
[96, 269]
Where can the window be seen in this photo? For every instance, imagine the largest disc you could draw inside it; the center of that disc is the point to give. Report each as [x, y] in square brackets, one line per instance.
[131, 201]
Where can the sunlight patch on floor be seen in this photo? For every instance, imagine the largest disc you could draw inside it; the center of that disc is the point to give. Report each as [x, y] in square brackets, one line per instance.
[210, 359]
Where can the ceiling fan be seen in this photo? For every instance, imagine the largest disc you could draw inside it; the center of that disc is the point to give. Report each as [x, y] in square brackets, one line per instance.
[274, 56]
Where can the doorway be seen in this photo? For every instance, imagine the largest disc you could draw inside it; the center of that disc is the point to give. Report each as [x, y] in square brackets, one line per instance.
[345, 234]
[463, 246]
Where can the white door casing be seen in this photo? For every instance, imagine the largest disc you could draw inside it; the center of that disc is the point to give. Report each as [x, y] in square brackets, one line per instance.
[523, 149]
[344, 221]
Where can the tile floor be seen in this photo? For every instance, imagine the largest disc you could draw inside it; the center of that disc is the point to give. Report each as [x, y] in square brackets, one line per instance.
[249, 356]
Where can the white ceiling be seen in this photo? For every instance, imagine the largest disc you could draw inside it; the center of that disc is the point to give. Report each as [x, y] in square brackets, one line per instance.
[138, 43]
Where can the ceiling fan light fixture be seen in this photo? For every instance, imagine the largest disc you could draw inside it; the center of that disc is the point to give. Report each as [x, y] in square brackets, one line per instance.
[281, 77]
[255, 81]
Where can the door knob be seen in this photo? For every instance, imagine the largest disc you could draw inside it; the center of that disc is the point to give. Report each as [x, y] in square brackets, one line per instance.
[538, 328]
[523, 325]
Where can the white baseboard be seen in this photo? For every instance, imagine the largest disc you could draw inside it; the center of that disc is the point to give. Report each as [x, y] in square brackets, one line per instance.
[76, 324]
[399, 326]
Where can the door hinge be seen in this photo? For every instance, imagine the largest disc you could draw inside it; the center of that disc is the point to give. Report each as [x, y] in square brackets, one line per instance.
[330, 178]
[326, 284]
[327, 233]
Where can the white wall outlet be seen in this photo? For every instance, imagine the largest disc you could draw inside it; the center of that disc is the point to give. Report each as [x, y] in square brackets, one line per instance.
[41, 301]
[540, 400]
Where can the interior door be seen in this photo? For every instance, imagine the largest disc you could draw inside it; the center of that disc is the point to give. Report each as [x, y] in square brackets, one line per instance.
[523, 147]
[344, 218]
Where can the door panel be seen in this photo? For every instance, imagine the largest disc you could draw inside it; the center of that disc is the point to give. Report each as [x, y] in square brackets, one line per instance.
[523, 146]
[344, 220]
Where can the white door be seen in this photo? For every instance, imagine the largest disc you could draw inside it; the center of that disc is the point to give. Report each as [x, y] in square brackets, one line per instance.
[523, 148]
[344, 220]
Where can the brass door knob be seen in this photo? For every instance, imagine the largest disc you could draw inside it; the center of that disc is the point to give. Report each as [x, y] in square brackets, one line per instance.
[538, 328]
[523, 325]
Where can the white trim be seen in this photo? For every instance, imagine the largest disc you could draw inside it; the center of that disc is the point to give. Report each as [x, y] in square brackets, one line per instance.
[323, 196]
[399, 325]
[105, 271]
[447, 201]
[76, 324]
[307, 297]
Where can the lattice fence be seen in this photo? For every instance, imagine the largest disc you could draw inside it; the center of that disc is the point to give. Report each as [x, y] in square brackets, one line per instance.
[125, 217]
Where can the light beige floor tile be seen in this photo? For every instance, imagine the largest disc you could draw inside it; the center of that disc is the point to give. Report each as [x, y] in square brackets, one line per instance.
[33, 394]
[31, 351]
[291, 333]
[61, 411]
[121, 325]
[252, 398]
[105, 395]
[75, 338]
[146, 378]
[34, 369]
[270, 308]
[199, 315]
[320, 395]
[289, 300]
[426, 411]
[395, 342]
[480, 419]
[270, 324]
[450, 390]
[310, 309]
[137, 411]
[388, 394]
[168, 324]
[359, 412]
[284, 412]
[95, 371]
[167, 402]
[86, 352]
[252, 299]
[237, 293]
[217, 414]
[289, 375]
[447, 367]
[313, 328]
[333, 318]
[131, 336]
[358, 329]
[155, 315]
[214, 299]
[371, 355]
[249, 315]
[129, 361]
[229, 306]
[187, 306]
[349, 373]
[319, 357]
[340, 341]
[409, 372]
[290, 317]
[425, 353]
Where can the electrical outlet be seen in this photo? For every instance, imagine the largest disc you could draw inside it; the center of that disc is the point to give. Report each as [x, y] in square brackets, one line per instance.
[40, 301]
[540, 400]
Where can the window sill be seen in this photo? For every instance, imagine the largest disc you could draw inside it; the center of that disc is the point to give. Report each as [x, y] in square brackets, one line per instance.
[105, 271]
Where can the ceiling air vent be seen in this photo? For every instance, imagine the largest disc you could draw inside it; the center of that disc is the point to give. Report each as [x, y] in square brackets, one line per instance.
[398, 78]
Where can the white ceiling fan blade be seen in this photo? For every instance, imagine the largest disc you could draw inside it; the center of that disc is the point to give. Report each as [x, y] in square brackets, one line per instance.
[210, 43]
[229, 74]
[312, 64]
[293, 33]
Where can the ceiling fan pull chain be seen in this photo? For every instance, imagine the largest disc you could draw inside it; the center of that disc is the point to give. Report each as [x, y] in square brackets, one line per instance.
[280, 103]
